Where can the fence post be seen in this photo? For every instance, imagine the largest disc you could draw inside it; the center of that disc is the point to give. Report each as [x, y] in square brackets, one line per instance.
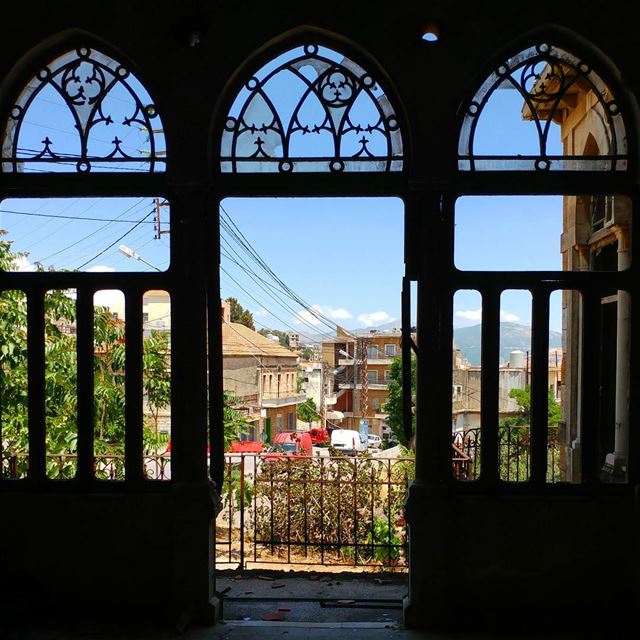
[242, 511]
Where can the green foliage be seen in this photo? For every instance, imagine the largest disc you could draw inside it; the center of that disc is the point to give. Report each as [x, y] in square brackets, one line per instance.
[283, 337]
[523, 398]
[61, 379]
[239, 314]
[336, 502]
[235, 424]
[307, 353]
[393, 405]
[307, 411]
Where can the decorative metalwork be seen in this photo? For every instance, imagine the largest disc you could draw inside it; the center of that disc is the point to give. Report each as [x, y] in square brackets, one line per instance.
[549, 81]
[311, 110]
[83, 110]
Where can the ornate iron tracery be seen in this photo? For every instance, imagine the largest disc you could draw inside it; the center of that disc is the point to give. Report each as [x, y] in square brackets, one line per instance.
[547, 80]
[88, 105]
[311, 110]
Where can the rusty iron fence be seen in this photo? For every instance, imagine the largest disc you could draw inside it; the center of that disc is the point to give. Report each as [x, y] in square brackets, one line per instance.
[514, 454]
[62, 466]
[320, 510]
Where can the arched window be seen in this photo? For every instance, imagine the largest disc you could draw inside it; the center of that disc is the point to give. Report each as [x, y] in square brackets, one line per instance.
[514, 119]
[87, 409]
[311, 109]
[553, 403]
[103, 119]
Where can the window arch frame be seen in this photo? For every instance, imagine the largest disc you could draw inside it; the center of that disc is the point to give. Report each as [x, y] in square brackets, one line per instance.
[541, 284]
[133, 285]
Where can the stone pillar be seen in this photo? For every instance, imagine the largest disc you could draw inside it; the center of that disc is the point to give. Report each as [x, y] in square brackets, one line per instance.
[616, 462]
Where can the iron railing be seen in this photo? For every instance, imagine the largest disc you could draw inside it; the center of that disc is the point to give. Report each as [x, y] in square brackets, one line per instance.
[514, 454]
[321, 510]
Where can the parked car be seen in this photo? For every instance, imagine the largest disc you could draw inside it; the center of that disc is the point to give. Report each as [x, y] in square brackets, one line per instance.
[296, 444]
[246, 446]
[319, 437]
[348, 441]
[374, 441]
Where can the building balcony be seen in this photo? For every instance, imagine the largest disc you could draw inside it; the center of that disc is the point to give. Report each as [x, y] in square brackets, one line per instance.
[273, 400]
[379, 359]
[373, 386]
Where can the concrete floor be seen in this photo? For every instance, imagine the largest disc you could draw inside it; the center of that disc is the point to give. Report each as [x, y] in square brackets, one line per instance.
[305, 620]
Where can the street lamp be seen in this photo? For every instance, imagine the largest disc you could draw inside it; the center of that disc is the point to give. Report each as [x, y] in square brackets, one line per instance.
[130, 253]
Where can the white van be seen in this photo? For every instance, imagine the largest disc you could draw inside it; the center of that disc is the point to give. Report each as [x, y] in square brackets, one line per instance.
[348, 441]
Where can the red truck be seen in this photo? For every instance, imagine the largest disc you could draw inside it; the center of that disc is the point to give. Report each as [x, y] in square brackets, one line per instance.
[296, 444]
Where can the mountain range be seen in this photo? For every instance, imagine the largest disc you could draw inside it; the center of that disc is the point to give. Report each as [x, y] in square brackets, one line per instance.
[513, 336]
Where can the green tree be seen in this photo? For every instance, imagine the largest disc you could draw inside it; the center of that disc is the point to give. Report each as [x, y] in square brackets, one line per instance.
[234, 422]
[61, 373]
[239, 314]
[307, 411]
[283, 337]
[393, 405]
[523, 398]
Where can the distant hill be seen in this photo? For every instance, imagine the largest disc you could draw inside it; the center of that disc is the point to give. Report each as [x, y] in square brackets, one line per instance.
[512, 336]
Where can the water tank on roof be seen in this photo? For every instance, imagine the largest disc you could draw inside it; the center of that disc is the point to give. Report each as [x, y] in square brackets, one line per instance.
[516, 359]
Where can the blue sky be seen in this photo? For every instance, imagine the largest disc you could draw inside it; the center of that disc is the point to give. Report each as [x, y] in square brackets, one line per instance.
[343, 256]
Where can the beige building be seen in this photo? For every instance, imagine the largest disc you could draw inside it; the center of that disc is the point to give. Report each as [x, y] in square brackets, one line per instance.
[595, 237]
[263, 376]
[361, 368]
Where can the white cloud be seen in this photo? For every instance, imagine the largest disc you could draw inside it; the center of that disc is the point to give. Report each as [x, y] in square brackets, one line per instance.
[23, 264]
[375, 318]
[471, 314]
[100, 268]
[261, 312]
[336, 314]
[309, 317]
[507, 316]
[476, 314]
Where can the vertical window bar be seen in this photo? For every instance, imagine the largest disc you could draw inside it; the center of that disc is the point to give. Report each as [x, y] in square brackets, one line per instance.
[589, 392]
[407, 416]
[84, 349]
[489, 414]
[36, 385]
[133, 387]
[539, 386]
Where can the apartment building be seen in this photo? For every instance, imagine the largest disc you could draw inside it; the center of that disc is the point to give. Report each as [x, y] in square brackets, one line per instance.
[361, 367]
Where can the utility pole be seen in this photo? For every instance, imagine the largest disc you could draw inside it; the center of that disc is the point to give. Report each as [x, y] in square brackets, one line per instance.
[157, 225]
[363, 344]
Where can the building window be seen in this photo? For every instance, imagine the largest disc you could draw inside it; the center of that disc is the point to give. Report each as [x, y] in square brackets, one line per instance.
[291, 421]
[390, 350]
[372, 377]
[279, 422]
[375, 403]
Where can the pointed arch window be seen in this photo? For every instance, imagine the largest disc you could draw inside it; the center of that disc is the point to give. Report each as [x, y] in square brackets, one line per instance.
[520, 117]
[84, 111]
[311, 110]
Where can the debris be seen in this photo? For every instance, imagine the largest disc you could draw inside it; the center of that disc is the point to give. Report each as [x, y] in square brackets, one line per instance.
[276, 616]
[277, 586]
[345, 601]
[246, 593]
[238, 577]
[246, 618]
[284, 609]
[382, 581]
[225, 590]
[265, 578]
[314, 578]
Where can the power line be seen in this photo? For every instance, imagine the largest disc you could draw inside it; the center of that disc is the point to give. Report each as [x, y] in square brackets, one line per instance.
[63, 217]
[124, 235]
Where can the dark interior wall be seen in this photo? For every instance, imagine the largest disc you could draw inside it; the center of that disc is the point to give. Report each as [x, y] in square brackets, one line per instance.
[153, 548]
